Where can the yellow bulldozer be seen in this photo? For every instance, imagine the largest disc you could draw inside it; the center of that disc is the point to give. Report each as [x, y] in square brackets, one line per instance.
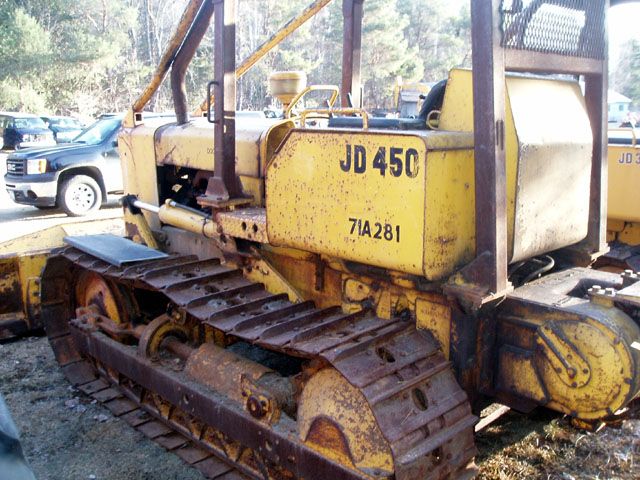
[333, 296]
[623, 209]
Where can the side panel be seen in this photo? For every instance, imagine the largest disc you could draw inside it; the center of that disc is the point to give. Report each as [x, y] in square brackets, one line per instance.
[450, 213]
[554, 165]
[355, 195]
[457, 115]
[548, 153]
[137, 156]
[624, 183]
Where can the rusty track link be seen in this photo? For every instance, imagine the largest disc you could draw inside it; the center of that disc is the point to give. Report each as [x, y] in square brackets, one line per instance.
[422, 412]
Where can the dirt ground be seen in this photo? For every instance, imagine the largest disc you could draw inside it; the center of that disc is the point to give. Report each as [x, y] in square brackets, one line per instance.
[67, 437]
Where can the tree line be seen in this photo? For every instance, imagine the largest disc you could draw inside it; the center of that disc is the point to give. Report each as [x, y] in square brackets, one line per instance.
[65, 56]
[89, 57]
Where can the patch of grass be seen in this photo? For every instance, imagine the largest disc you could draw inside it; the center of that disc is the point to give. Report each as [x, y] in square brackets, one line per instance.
[546, 446]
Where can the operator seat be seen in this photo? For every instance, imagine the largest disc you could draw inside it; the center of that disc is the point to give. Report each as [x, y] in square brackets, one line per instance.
[433, 101]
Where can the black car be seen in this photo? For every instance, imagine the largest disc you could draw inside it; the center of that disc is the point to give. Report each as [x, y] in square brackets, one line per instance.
[75, 176]
[22, 130]
[64, 129]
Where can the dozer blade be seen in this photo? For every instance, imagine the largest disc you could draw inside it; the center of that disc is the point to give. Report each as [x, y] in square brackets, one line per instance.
[21, 262]
[214, 363]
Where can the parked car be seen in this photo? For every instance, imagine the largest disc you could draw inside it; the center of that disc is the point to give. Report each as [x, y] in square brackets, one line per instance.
[64, 129]
[22, 130]
[75, 176]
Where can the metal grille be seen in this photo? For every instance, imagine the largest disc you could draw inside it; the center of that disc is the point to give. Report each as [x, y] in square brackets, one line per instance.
[566, 27]
[15, 167]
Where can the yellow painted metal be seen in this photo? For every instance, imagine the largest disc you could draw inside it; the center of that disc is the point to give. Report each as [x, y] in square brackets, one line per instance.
[582, 362]
[457, 115]
[333, 89]
[187, 220]
[554, 165]
[93, 290]
[624, 183]
[610, 361]
[22, 260]
[417, 88]
[435, 317]
[520, 374]
[335, 419]
[262, 271]
[310, 200]
[432, 311]
[20, 287]
[328, 204]
[139, 230]
[146, 143]
[191, 146]
[315, 199]
[247, 223]
[623, 207]
[630, 235]
[544, 210]
[136, 147]
[287, 85]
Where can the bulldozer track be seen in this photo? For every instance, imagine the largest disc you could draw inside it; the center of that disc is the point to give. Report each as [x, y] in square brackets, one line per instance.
[421, 410]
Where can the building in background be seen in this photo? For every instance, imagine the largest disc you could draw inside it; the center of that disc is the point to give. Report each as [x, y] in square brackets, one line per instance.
[618, 107]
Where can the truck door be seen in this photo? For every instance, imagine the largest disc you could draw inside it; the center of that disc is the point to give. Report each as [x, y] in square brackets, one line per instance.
[3, 121]
[113, 172]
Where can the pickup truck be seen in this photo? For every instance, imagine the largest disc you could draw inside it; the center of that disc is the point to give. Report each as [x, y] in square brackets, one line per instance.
[75, 177]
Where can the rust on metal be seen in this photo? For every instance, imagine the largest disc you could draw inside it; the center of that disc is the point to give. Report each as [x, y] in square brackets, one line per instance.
[224, 184]
[352, 11]
[409, 386]
[496, 52]
[275, 40]
[183, 59]
[489, 147]
[188, 17]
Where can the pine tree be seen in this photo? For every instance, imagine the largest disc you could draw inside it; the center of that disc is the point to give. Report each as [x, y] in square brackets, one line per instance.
[386, 53]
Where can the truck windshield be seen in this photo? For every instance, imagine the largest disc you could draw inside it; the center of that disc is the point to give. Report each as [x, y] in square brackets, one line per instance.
[29, 123]
[64, 122]
[99, 131]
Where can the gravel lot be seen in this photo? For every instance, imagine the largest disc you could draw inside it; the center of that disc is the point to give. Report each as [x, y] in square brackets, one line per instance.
[18, 220]
[67, 437]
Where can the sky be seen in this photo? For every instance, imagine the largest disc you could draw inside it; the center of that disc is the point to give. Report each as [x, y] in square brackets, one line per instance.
[624, 24]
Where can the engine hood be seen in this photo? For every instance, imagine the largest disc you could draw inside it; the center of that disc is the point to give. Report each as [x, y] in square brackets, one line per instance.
[53, 153]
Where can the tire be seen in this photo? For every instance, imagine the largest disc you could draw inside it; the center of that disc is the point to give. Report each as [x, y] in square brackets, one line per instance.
[79, 195]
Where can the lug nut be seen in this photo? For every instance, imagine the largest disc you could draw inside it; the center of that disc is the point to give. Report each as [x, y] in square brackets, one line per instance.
[255, 407]
[595, 290]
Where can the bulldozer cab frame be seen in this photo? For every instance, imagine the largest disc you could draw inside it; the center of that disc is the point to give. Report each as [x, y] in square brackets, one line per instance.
[224, 188]
[501, 43]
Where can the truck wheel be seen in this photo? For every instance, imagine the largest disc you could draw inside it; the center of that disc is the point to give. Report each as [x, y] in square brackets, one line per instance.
[80, 195]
